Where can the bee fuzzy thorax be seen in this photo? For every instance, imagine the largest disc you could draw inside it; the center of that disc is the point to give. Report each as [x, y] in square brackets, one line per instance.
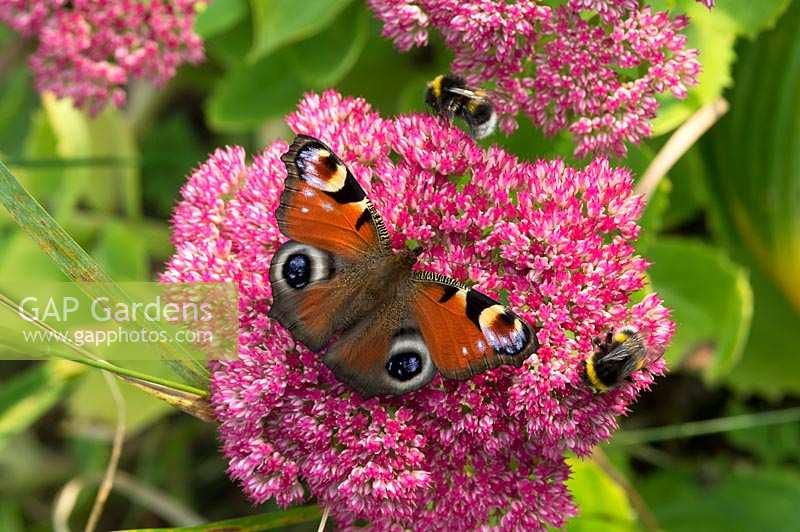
[625, 333]
[449, 96]
[615, 358]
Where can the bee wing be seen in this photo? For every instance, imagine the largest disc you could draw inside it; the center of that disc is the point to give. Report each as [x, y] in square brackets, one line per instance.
[631, 355]
[466, 93]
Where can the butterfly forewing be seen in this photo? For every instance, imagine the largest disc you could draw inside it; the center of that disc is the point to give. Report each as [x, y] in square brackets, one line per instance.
[467, 331]
[323, 205]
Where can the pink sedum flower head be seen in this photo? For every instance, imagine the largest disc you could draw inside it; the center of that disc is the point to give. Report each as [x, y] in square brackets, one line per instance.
[89, 50]
[455, 455]
[596, 77]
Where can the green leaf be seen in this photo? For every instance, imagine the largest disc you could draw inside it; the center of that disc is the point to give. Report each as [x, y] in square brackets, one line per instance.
[386, 79]
[31, 393]
[739, 500]
[16, 104]
[91, 403]
[109, 188]
[751, 17]
[758, 153]
[251, 94]
[770, 366]
[220, 16]
[324, 59]
[231, 46]
[280, 22]
[256, 523]
[710, 297]
[123, 252]
[714, 33]
[755, 187]
[602, 503]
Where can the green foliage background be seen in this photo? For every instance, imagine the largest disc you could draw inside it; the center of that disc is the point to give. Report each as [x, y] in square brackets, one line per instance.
[722, 231]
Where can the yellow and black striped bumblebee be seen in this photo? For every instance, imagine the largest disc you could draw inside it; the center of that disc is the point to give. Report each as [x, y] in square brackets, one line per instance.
[615, 358]
[449, 96]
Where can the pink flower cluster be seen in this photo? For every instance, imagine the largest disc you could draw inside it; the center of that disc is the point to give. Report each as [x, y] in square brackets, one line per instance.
[596, 77]
[89, 50]
[455, 455]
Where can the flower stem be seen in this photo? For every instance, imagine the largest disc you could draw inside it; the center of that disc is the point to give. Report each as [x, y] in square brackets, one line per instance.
[708, 426]
[679, 143]
[324, 518]
[113, 462]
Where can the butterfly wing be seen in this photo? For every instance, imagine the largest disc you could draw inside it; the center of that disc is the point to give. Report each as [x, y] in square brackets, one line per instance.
[316, 277]
[466, 331]
[382, 355]
[311, 289]
[334, 230]
[323, 205]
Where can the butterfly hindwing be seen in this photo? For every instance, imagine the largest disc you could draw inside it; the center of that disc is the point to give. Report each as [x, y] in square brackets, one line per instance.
[466, 331]
[310, 293]
[323, 205]
[382, 355]
[436, 325]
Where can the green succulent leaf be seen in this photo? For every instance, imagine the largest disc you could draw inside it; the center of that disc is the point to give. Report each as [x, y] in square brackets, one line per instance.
[324, 59]
[220, 16]
[755, 184]
[280, 22]
[711, 301]
[251, 94]
[602, 503]
[239, 102]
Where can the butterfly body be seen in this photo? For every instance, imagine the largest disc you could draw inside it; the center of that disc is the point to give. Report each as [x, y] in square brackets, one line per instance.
[392, 327]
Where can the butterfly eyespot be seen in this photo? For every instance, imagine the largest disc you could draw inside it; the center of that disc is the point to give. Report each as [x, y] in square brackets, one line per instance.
[297, 270]
[404, 366]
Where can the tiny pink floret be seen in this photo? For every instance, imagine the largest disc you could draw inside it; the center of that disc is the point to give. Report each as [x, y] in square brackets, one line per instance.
[456, 455]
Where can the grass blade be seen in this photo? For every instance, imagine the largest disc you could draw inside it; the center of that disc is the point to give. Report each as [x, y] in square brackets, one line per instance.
[255, 523]
[73, 260]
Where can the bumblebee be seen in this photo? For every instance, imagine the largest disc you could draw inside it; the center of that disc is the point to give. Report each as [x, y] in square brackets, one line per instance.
[449, 96]
[615, 358]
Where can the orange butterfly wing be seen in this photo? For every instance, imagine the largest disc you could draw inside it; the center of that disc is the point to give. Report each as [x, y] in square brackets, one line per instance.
[316, 278]
[466, 331]
[333, 228]
[384, 354]
[323, 205]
